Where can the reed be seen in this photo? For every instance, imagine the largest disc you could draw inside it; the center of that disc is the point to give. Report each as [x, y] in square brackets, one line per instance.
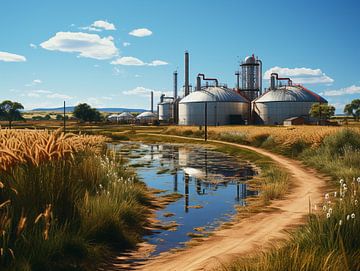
[64, 201]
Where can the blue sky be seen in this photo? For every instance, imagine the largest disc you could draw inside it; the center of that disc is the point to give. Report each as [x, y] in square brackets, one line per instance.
[112, 53]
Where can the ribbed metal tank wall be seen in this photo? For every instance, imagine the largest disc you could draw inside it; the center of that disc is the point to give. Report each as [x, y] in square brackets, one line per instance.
[166, 111]
[218, 113]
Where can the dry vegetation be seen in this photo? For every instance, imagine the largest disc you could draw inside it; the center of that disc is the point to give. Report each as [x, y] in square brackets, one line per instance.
[35, 147]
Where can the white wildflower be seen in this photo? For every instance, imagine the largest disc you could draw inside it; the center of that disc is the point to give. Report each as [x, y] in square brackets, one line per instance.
[327, 215]
[335, 194]
[341, 181]
[327, 196]
[356, 202]
[330, 210]
[324, 208]
[340, 222]
[358, 179]
[353, 215]
[348, 217]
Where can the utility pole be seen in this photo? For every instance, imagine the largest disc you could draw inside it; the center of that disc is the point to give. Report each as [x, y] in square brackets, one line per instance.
[64, 118]
[206, 121]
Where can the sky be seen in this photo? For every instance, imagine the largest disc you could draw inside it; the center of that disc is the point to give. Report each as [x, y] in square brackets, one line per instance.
[113, 53]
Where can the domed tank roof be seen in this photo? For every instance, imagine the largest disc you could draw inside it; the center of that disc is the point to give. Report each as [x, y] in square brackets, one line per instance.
[214, 94]
[146, 115]
[250, 59]
[290, 94]
[127, 115]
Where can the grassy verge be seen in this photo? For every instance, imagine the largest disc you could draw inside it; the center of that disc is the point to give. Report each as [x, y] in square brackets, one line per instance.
[330, 240]
[68, 213]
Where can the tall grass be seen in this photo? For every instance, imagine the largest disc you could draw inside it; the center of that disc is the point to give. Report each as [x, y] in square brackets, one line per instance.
[65, 212]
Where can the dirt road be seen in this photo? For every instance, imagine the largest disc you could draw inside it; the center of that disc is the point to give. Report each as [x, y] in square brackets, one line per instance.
[253, 233]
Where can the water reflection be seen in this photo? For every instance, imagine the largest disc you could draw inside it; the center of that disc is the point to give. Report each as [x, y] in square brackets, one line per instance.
[212, 184]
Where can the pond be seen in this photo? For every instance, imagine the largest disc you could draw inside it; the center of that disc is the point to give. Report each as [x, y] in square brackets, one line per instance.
[212, 184]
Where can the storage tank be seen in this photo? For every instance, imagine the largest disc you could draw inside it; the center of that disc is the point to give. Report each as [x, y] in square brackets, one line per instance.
[224, 106]
[126, 117]
[166, 110]
[146, 118]
[281, 103]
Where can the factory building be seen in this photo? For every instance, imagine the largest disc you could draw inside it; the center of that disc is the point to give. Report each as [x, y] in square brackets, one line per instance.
[224, 106]
[282, 102]
[216, 104]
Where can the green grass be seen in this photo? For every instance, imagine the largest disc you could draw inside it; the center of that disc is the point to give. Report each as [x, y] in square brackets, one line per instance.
[93, 202]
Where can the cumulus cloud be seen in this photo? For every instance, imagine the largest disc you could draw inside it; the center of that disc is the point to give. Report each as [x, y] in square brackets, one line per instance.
[126, 44]
[157, 63]
[128, 61]
[140, 32]
[9, 57]
[342, 91]
[133, 61]
[145, 92]
[43, 93]
[99, 26]
[32, 45]
[87, 45]
[301, 75]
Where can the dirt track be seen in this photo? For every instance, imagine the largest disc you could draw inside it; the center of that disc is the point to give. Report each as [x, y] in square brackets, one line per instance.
[253, 233]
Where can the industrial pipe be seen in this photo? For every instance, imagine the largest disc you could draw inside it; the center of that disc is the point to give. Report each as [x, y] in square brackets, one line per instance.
[208, 79]
[260, 76]
[175, 84]
[281, 78]
[237, 73]
[152, 102]
[198, 83]
[187, 88]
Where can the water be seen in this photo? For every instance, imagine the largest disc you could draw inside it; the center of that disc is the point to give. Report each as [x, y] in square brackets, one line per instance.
[214, 181]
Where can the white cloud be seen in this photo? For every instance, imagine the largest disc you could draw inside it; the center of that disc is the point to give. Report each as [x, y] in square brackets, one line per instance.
[145, 92]
[104, 25]
[87, 45]
[133, 61]
[99, 26]
[32, 45]
[126, 44]
[342, 91]
[301, 75]
[128, 61]
[34, 82]
[59, 96]
[157, 63]
[41, 91]
[9, 57]
[140, 32]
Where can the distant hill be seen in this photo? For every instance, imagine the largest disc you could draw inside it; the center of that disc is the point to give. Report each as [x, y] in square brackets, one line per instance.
[71, 108]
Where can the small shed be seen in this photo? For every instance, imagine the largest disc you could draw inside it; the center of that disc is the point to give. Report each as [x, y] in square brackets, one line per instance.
[294, 121]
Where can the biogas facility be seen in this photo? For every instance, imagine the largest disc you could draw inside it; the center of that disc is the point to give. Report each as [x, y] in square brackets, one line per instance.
[248, 103]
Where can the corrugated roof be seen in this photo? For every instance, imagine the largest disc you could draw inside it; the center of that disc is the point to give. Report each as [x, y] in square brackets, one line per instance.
[146, 115]
[214, 94]
[290, 94]
[126, 115]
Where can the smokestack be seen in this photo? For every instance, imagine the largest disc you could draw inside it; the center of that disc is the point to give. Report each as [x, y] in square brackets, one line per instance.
[152, 102]
[198, 83]
[237, 73]
[187, 89]
[175, 85]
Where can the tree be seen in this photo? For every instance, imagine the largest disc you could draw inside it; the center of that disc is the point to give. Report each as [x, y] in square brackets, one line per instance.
[322, 111]
[353, 109]
[10, 111]
[84, 112]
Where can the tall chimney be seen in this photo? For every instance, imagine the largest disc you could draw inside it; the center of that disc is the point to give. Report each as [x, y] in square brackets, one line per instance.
[152, 102]
[237, 73]
[187, 89]
[175, 85]
[198, 83]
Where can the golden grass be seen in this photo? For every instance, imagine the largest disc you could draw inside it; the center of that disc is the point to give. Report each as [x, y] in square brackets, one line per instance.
[313, 135]
[35, 147]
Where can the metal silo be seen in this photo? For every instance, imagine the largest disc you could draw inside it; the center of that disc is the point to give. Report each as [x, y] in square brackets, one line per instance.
[251, 77]
[283, 102]
[224, 106]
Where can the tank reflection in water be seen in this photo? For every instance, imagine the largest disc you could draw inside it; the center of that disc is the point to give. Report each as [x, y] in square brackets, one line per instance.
[212, 184]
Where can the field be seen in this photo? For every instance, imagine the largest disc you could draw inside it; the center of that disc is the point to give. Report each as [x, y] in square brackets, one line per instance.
[64, 201]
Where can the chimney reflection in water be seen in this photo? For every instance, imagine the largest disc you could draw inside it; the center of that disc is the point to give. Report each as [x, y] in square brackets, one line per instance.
[186, 180]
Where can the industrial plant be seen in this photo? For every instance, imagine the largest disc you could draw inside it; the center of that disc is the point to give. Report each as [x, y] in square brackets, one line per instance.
[213, 103]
